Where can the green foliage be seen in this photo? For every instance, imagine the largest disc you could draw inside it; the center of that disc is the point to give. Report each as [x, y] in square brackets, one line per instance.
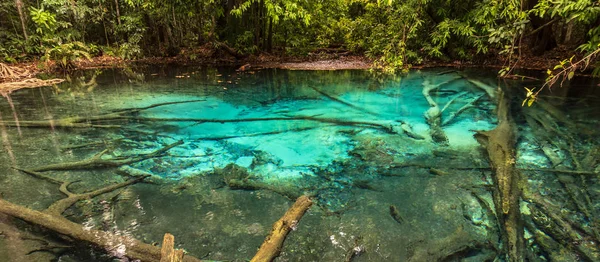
[395, 34]
[133, 27]
[44, 20]
[65, 54]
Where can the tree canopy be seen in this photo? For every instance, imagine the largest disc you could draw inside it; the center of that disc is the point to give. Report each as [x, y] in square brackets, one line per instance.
[394, 33]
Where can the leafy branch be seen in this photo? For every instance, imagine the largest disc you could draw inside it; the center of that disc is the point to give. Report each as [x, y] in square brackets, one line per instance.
[567, 70]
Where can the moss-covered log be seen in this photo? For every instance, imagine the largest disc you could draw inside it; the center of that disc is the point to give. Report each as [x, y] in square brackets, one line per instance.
[500, 147]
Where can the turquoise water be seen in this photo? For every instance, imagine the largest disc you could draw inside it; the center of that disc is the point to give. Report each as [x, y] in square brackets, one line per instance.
[246, 144]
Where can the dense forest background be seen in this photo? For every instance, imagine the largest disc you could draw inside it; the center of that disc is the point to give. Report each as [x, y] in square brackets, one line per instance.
[393, 33]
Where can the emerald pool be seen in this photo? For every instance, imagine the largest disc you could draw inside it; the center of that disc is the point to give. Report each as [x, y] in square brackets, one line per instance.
[227, 152]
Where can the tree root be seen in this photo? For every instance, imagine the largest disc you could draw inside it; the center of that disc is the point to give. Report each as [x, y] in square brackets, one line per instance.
[97, 162]
[7, 88]
[546, 118]
[12, 73]
[271, 247]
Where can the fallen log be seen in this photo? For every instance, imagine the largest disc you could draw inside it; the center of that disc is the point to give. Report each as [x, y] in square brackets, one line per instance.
[488, 89]
[500, 147]
[271, 247]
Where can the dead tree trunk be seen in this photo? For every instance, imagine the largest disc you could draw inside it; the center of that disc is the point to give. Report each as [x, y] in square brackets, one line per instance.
[500, 148]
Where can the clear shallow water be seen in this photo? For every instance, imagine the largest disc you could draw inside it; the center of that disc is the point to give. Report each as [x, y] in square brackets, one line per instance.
[334, 135]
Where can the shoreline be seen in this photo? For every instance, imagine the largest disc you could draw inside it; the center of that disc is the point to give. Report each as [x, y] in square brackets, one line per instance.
[265, 61]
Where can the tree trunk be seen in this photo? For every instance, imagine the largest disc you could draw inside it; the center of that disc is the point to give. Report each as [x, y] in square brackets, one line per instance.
[270, 36]
[104, 23]
[118, 12]
[19, 4]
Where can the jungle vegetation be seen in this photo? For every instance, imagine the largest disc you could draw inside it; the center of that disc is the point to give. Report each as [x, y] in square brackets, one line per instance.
[394, 33]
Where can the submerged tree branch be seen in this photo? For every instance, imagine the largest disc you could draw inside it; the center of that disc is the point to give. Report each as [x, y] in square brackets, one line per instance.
[97, 162]
[271, 247]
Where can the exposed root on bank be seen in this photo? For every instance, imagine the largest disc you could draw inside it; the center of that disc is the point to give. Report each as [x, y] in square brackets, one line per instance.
[9, 87]
[12, 73]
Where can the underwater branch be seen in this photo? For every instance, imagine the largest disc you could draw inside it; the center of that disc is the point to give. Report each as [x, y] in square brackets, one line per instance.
[271, 247]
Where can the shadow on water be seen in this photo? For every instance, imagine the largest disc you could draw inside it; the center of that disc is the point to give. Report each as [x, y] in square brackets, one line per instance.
[391, 164]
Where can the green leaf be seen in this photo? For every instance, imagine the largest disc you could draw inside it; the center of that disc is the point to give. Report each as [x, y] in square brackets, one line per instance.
[570, 75]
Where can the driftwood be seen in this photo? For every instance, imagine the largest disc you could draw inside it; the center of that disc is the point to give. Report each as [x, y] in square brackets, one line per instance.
[500, 146]
[112, 243]
[271, 247]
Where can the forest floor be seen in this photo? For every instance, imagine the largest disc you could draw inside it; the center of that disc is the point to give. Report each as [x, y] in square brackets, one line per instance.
[312, 61]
